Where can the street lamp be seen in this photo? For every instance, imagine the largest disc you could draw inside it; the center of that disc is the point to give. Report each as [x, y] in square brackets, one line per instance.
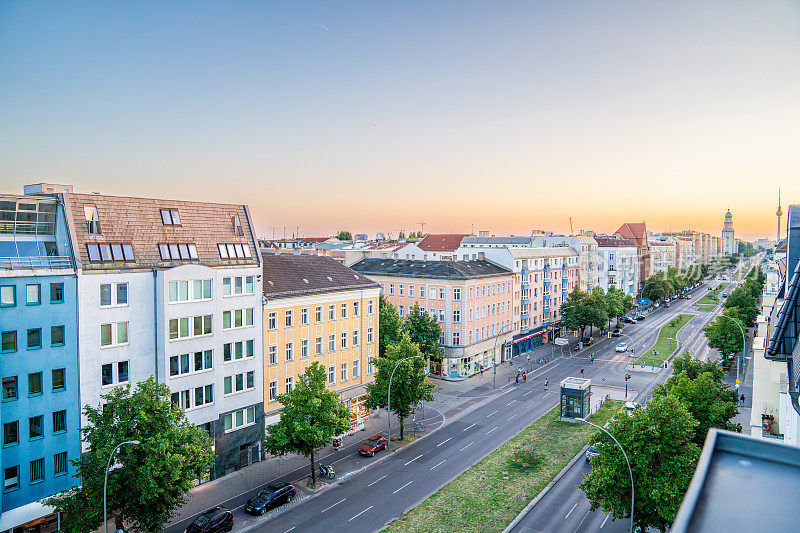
[630, 471]
[744, 343]
[389, 402]
[105, 483]
[494, 356]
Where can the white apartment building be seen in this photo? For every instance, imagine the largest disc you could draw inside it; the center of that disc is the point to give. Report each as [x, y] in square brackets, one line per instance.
[587, 252]
[172, 289]
[618, 264]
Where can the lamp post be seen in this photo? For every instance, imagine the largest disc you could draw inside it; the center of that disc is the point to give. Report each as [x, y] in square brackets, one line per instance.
[744, 344]
[630, 470]
[494, 357]
[105, 483]
[389, 402]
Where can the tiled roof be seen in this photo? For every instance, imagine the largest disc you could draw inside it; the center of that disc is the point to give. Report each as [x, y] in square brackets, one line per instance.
[613, 241]
[508, 240]
[287, 275]
[412, 268]
[527, 252]
[126, 219]
[635, 231]
[441, 242]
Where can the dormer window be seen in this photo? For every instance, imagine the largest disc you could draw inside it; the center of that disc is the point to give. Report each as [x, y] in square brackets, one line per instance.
[92, 219]
[237, 225]
[170, 217]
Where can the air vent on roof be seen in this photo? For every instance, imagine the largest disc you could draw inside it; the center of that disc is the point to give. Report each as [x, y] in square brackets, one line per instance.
[305, 280]
[355, 276]
[270, 282]
[329, 278]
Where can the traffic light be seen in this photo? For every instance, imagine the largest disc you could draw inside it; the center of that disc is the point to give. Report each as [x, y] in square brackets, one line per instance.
[627, 377]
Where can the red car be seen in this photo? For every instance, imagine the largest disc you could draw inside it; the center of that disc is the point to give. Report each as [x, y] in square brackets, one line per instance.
[373, 444]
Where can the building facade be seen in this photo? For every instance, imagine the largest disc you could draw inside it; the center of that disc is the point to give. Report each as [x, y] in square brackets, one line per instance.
[637, 232]
[728, 238]
[620, 265]
[586, 247]
[317, 310]
[663, 255]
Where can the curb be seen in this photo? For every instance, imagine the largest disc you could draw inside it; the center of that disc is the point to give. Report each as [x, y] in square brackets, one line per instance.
[544, 491]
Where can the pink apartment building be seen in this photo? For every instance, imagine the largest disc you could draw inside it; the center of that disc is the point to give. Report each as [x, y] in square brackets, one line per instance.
[473, 301]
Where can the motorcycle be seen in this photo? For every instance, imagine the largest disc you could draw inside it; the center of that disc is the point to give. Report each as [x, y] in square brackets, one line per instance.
[327, 471]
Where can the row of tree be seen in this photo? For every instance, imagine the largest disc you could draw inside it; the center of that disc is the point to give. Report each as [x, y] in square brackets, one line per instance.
[582, 309]
[663, 442]
[674, 280]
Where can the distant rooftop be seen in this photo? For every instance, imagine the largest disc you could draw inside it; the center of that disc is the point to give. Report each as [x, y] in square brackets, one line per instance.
[430, 269]
[442, 242]
[287, 275]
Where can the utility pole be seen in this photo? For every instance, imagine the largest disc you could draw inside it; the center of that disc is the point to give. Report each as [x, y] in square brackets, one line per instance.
[422, 227]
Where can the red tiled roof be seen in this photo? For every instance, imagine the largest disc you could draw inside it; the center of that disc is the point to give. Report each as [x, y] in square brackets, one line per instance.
[635, 231]
[442, 242]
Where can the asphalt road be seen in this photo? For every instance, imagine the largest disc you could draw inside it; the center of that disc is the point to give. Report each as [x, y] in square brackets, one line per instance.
[564, 507]
[398, 481]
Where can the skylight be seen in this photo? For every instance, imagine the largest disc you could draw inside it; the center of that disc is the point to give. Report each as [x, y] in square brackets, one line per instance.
[170, 217]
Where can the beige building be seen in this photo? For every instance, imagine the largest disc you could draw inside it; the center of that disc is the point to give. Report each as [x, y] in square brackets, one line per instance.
[316, 309]
[662, 255]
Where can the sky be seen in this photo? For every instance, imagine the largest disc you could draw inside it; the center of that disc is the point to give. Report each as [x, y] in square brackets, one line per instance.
[376, 116]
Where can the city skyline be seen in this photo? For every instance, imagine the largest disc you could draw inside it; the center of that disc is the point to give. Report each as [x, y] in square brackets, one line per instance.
[505, 118]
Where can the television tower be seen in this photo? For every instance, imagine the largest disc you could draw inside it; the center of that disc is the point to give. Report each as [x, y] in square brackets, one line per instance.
[779, 213]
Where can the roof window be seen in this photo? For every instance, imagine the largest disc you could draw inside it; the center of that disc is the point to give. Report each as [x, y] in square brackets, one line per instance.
[92, 219]
[108, 252]
[170, 217]
[237, 225]
[177, 251]
[234, 251]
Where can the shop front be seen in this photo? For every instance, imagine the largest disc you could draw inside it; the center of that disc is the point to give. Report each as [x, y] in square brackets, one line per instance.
[459, 367]
[355, 400]
[527, 342]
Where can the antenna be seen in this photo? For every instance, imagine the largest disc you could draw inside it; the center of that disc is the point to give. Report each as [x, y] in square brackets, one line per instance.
[422, 226]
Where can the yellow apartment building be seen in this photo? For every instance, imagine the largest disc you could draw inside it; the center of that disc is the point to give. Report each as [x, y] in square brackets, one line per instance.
[316, 309]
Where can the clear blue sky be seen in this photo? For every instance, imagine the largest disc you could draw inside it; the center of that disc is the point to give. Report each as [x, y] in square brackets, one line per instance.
[375, 115]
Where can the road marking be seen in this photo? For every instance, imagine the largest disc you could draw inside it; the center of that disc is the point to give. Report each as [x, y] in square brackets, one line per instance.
[515, 414]
[490, 414]
[288, 530]
[570, 511]
[529, 392]
[412, 460]
[509, 403]
[469, 426]
[443, 442]
[465, 447]
[491, 430]
[404, 486]
[362, 512]
[604, 522]
[439, 464]
[380, 478]
[546, 395]
[334, 505]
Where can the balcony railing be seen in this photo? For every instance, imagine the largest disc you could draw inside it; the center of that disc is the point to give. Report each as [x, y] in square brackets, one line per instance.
[36, 262]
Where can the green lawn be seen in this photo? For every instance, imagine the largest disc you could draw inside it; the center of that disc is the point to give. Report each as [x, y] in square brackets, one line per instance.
[712, 298]
[481, 500]
[706, 307]
[664, 346]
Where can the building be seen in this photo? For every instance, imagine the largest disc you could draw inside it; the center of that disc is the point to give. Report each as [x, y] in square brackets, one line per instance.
[663, 255]
[586, 246]
[172, 289]
[620, 266]
[472, 300]
[637, 232]
[353, 253]
[316, 309]
[441, 246]
[39, 363]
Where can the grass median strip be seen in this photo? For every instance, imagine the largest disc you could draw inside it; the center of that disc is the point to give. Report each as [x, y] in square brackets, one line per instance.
[712, 298]
[490, 494]
[664, 346]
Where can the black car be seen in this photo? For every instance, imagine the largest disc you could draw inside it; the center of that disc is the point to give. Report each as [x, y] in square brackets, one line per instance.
[639, 317]
[630, 320]
[272, 496]
[616, 333]
[214, 520]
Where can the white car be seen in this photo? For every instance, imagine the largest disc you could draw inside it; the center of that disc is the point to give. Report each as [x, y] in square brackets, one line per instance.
[622, 347]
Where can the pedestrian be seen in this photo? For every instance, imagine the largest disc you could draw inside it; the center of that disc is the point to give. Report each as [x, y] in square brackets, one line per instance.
[546, 383]
[481, 370]
[581, 371]
[524, 377]
[529, 358]
[516, 379]
[741, 400]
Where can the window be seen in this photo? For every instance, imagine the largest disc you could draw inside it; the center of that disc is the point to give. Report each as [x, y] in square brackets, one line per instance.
[288, 351]
[34, 384]
[10, 388]
[304, 348]
[391, 288]
[37, 470]
[356, 309]
[441, 293]
[456, 338]
[33, 294]
[110, 252]
[401, 289]
[11, 478]
[8, 295]
[318, 346]
[370, 365]
[331, 375]
[179, 328]
[58, 379]
[240, 418]
[234, 251]
[441, 315]
[115, 334]
[60, 463]
[355, 338]
[273, 355]
[273, 390]
[57, 336]
[344, 340]
[289, 318]
[401, 310]
[304, 316]
[203, 395]
[332, 343]
[59, 421]
[11, 433]
[355, 369]
[289, 384]
[122, 372]
[92, 219]
[456, 315]
[36, 426]
[318, 314]
[370, 335]
[344, 372]
[344, 311]
[9, 342]
[107, 374]
[34, 338]
[239, 382]
[456, 293]
[170, 217]
[272, 320]
[411, 291]
[422, 291]
[371, 307]
[331, 312]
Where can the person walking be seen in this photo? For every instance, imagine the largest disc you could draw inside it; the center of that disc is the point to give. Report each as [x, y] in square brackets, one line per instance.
[524, 377]
[481, 370]
[546, 383]
[741, 401]
[516, 378]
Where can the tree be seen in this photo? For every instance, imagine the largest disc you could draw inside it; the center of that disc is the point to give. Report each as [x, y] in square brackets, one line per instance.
[618, 303]
[742, 299]
[694, 367]
[582, 309]
[158, 472]
[402, 235]
[312, 415]
[390, 325]
[725, 336]
[425, 331]
[410, 383]
[656, 288]
[344, 236]
[712, 403]
[658, 441]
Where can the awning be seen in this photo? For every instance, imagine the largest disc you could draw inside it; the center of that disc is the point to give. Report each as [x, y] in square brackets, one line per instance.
[24, 514]
[527, 337]
[355, 392]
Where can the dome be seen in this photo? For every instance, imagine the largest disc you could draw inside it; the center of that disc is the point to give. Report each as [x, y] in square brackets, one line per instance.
[728, 214]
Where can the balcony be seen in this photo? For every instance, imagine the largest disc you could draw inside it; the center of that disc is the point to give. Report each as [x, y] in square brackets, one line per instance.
[546, 283]
[47, 262]
[524, 300]
[545, 297]
[524, 315]
[564, 280]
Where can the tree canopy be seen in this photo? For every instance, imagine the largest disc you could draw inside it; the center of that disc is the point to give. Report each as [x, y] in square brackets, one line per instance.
[724, 335]
[344, 235]
[390, 325]
[157, 473]
[657, 287]
[312, 415]
[582, 309]
[685, 363]
[425, 331]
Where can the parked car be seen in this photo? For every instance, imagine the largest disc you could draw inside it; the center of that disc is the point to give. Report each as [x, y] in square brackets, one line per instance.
[214, 520]
[372, 445]
[639, 317]
[622, 347]
[272, 496]
[630, 320]
[666, 304]
[592, 451]
[587, 341]
[616, 333]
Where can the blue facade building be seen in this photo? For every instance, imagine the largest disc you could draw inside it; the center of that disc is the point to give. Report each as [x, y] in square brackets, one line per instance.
[40, 408]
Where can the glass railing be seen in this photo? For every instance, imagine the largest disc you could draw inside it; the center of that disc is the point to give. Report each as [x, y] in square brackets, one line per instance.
[36, 262]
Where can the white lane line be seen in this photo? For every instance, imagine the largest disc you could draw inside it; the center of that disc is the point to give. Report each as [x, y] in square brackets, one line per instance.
[570, 511]
[529, 392]
[604, 522]
[380, 478]
[404, 486]
[334, 505]
[412, 460]
[515, 414]
[443, 442]
[546, 395]
[509, 403]
[288, 530]
[490, 414]
[491, 430]
[438, 464]
[469, 426]
[465, 447]
[359, 514]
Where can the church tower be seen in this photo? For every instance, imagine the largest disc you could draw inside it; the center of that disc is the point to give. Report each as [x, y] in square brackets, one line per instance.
[727, 235]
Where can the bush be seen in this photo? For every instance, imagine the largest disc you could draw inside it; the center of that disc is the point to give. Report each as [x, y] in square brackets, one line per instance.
[525, 461]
